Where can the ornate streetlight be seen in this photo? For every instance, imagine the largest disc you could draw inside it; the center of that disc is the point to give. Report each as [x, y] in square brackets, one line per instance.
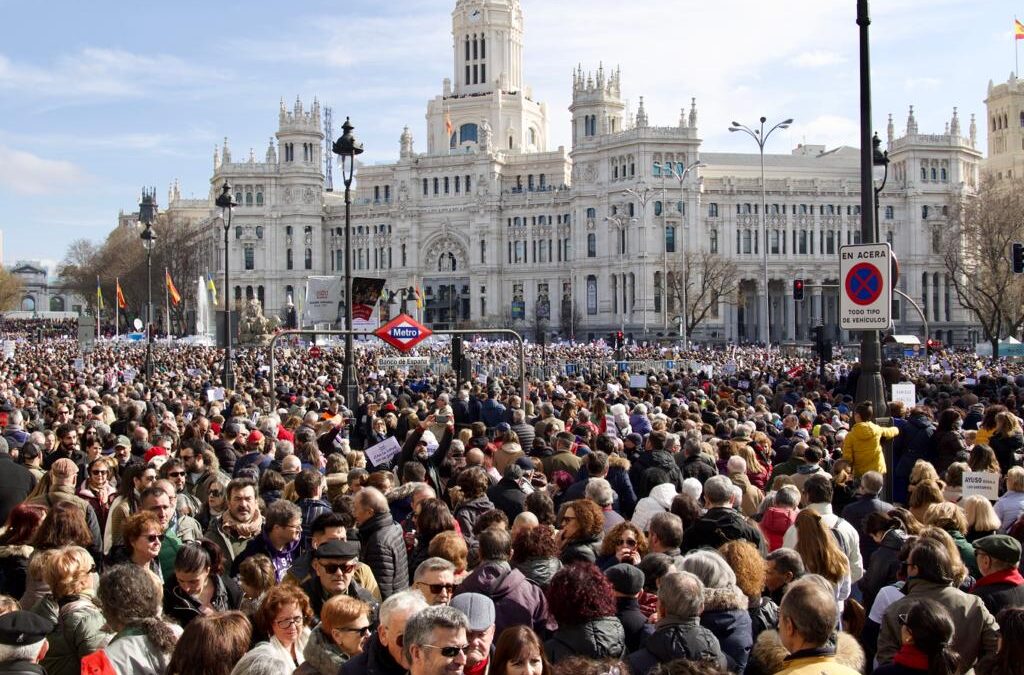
[147, 214]
[346, 148]
[226, 203]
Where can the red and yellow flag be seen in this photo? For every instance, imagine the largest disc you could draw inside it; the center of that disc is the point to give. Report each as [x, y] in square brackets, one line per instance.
[448, 123]
[121, 302]
[1018, 30]
[175, 295]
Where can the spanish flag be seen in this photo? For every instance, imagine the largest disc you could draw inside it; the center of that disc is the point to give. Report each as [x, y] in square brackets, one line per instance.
[1018, 30]
[419, 298]
[121, 303]
[210, 286]
[175, 295]
[99, 296]
[448, 123]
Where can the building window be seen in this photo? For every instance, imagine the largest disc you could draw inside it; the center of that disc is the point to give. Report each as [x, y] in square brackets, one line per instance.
[591, 294]
[670, 239]
[468, 188]
[289, 261]
[238, 232]
[309, 259]
[259, 232]
[942, 173]
[712, 210]
[802, 250]
[656, 169]
[830, 242]
[774, 243]
[657, 208]
[458, 184]
[259, 199]
[657, 292]
[713, 241]
[250, 257]
[426, 187]
[483, 251]
[437, 186]
[890, 212]
[746, 242]
[924, 213]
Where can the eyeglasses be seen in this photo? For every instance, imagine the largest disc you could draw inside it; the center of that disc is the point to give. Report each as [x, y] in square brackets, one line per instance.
[450, 652]
[436, 589]
[99, 472]
[289, 623]
[216, 493]
[332, 568]
[631, 543]
[153, 538]
[176, 474]
[364, 630]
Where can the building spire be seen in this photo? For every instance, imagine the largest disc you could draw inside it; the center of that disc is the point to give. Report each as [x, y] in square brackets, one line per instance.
[973, 131]
[890, 132]
[911, 123]
[641, 115]
[954, 124]
[693, 113]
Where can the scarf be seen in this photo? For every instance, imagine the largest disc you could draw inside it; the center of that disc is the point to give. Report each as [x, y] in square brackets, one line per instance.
[911, 657]
[240, 530]
[1009, 576]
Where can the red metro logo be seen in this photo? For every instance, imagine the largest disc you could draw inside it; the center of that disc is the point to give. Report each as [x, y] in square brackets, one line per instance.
[403, 332]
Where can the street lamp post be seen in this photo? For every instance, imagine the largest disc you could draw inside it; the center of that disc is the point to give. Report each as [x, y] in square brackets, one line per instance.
[347, 147]
[869, 385]
[642, 195]
[226, 203]
[680, 175]
[760, 137]
[620, 223]
[880, 173]
[147, 214]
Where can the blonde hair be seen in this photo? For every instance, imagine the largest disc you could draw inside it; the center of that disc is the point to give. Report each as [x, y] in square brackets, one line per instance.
[748, 454]
[946, 515]
[818, 548]
[923, 470]
[1015, 479]
[980, 515]
[68, 571]
[1007, 424]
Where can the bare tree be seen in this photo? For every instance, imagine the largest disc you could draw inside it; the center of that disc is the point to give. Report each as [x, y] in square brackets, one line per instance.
[703, 280]
[10, 290]
[977, 256]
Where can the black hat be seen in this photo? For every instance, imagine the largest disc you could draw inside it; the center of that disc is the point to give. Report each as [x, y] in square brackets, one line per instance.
[337, 549]
[21, 628]
[626, 579]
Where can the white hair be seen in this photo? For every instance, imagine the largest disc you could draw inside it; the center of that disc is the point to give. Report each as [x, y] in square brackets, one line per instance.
[736, 464]
[600, 492]
[259, 662]
[408, 602]
[11, 653]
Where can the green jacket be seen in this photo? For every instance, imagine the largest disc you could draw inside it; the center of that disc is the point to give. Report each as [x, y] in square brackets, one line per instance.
[79, 632]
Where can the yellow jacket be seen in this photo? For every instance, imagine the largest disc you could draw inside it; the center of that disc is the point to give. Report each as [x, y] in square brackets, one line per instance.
[816, 665]
[863, 449]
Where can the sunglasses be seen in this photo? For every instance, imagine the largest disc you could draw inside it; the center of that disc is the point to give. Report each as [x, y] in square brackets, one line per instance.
[450, 652]
[176, 474]
[365, 630]
[153, 538]
[332, 568]
[631, 543]
[436, 589]
[216, 493]
[99, 472]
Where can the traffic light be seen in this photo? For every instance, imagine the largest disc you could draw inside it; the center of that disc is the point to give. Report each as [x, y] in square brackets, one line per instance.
[457, 356]
[1018, 258]
[620, 339]
[798, 289]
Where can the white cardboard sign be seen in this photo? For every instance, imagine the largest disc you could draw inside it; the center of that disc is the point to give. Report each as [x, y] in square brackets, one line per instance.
[905, 392]
[981, 483]
[383, 452]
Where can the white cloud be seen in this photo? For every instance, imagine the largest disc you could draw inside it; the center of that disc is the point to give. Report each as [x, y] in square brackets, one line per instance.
[27, 174]
[95, 73]
[817, 59]
[913, 83]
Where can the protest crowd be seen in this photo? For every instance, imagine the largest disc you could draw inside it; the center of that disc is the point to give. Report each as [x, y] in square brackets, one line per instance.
[727, 511]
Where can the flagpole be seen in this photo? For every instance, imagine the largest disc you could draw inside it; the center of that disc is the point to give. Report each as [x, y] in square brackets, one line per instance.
[99, 306]
[1016, 48]
[117, 307]
[167, 303]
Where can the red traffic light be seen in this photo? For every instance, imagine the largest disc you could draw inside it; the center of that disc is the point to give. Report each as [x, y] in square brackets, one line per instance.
[798, 289]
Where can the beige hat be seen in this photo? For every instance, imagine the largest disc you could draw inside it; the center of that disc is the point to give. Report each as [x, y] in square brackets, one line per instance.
[64, 468]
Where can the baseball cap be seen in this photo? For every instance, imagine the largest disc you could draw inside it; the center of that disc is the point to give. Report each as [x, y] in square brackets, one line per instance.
[254, 437]
[155, 451]
[479, 609]
[64, 467]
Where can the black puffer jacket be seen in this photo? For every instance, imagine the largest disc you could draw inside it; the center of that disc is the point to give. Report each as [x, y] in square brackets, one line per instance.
[882, 566]
[183, 607]
[539, 570]
[1008, 449]
[469, 512]
[764, 615]
[676, 639]
[382, 547]
[580, 550]
[598, 639]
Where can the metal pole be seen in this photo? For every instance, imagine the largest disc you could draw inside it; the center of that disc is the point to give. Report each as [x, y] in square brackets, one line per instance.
[149, 318]
[869, 385]
[349, 378]
[764, 244]
[228, 374]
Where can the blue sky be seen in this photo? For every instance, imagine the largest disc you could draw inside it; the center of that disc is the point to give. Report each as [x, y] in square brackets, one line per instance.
[100, 98]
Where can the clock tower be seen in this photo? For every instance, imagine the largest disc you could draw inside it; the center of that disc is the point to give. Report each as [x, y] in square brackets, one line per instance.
[485, 106]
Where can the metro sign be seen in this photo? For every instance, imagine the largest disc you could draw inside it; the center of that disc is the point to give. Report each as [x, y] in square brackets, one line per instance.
[403, 332]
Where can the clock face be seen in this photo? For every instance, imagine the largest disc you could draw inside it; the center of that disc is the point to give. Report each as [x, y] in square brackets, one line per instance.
[475, 15]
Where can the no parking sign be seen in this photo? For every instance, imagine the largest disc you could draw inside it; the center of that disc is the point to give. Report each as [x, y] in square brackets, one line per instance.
[865, 302]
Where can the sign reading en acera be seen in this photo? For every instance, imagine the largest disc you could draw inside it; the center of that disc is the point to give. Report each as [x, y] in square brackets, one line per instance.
[403, 332]
[865, 283]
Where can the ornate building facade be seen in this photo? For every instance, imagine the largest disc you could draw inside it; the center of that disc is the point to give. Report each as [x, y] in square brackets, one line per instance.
[498, 229]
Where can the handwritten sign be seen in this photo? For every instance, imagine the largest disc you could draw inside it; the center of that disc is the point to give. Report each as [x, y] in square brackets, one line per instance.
[638, 381]
[906, 392]
[981, 483]
[382, 453]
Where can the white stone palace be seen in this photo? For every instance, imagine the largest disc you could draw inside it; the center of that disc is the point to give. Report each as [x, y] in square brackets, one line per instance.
[499, 229]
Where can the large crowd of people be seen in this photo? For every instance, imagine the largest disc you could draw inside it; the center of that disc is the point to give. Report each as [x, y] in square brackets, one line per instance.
[707, 511]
